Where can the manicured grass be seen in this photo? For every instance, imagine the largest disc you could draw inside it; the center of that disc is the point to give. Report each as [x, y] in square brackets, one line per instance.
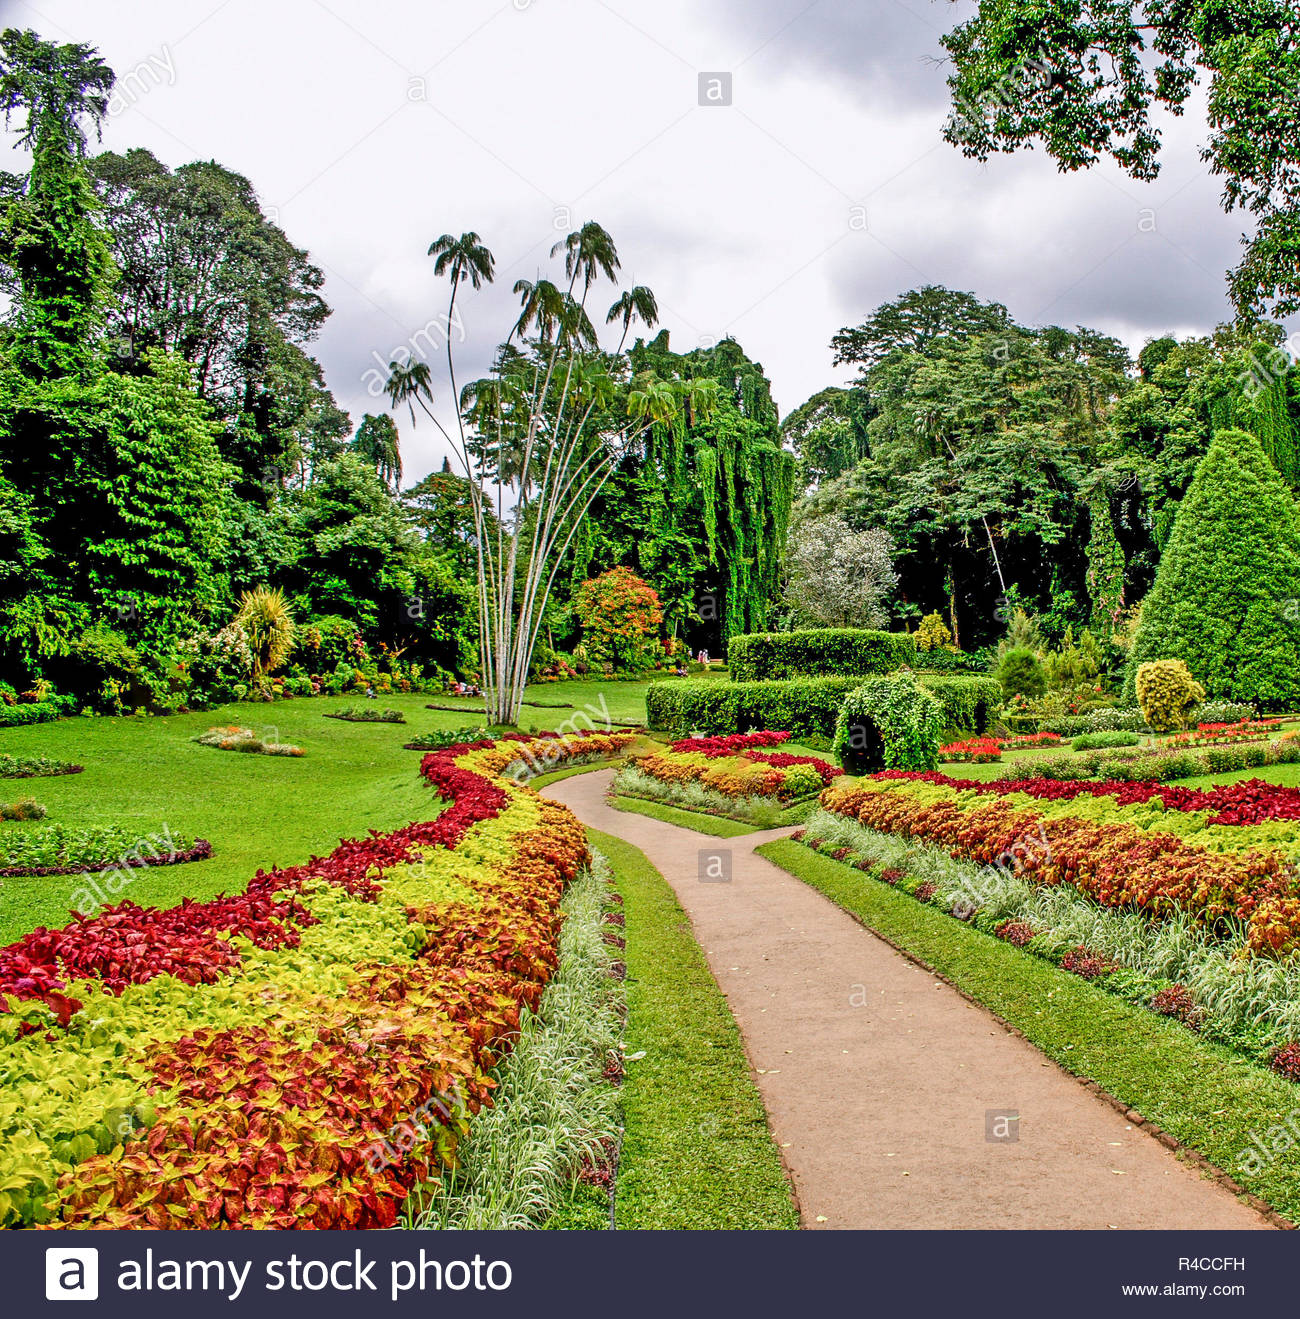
[257, 811]
[697, 1152]
[716, 826]
[1208, 1097]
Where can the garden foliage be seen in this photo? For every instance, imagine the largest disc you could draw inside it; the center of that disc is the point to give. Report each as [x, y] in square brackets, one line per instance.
[817, 652]
[893, 722]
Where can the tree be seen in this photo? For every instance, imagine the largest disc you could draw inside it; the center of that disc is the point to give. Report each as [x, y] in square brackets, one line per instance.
[537, 440]
[839, 577]
[828, 434]
[1084, 76]
[1226, 598]
[377, 443]
[621, 618]
[913, 321]
[58, 261]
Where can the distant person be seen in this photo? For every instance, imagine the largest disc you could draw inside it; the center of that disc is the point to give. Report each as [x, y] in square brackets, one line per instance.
[704, 659]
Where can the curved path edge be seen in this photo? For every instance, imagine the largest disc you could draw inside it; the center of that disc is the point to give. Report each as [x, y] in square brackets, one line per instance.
[898, 1101]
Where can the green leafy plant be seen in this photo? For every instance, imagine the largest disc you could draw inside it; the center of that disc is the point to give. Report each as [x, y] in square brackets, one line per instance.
[1167, 693]
[266, 620]
[813, 652]
[892, 722]
[234, 738]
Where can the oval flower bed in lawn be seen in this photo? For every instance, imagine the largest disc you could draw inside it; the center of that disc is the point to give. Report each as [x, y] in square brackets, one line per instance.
[254, 1060]
[61, 849]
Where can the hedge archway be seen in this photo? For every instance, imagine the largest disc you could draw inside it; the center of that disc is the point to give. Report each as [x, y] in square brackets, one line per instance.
[889, 723]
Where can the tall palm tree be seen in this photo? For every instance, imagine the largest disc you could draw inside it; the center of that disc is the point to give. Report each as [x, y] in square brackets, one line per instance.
[589, 252]
[635, 304]
[540, 304]
[460, 259]
[410, 383]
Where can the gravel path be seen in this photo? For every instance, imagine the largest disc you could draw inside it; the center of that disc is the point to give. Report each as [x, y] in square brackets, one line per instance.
[897, 1103]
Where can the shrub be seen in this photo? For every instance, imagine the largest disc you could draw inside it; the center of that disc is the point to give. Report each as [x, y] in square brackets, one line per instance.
[1101, 741]
[892, 722]
[12, 716]
[1285, 1061]
[266, 621]
[817, 652]
[933, 633]
[1167, 693]
[63, 849]
[1225, 712]
[968, 703]
[621, 617]
[1020, 673]
[1016, 933]
[1232, 560]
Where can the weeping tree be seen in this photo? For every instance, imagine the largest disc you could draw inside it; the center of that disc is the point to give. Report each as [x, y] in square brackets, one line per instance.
[539, 436]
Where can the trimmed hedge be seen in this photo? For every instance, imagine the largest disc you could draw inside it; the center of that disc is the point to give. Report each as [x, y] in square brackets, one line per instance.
[11, 716]
[817, 652]
[800, 706]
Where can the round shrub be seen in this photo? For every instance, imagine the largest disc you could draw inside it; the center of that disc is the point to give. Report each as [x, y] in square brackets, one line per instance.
[891, 722]
[1021, 673]
[1167, 693]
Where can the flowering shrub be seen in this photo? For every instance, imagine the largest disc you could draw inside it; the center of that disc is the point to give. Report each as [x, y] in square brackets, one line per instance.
[736, 767]
[299, 1054]
[621, 616]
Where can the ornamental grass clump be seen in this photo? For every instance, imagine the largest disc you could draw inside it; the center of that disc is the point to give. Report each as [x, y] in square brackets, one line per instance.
[234, 738]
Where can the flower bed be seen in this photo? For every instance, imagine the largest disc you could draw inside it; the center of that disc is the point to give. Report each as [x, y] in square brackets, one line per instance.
[738, 767]
[1118, 859]
[31, 767]
[440, 739]
[234, 738]
[1246, 730]
[984, 750]
[61, 849]
[256, 1060]
[364, 714]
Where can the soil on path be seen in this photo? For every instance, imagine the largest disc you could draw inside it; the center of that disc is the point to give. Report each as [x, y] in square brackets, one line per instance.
[886, 1089]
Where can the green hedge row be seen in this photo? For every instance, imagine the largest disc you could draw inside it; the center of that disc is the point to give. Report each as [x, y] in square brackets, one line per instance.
[11, 716]
[801, 706]
[816, 652]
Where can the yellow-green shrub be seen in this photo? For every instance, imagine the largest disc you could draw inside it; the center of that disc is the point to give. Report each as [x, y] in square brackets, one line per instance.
[1167, 693]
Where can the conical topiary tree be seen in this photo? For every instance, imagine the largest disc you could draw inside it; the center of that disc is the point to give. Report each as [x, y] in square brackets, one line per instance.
[1226, 598]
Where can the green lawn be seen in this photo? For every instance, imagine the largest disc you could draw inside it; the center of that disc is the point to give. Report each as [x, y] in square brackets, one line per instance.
[1208, 1097]
[697, 1152]
[257, 811]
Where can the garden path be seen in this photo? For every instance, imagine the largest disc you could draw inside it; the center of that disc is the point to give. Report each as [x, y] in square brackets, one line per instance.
[882, 1083]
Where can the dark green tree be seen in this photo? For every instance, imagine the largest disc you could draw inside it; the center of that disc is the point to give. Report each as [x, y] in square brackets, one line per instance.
[377, 443]
[915, 320]
[1226, 598]
[1083, 78]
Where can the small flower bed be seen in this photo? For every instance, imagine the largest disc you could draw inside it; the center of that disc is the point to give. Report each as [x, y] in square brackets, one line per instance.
[234, 738]
[365, 714]
[985, 750]
[60, 849]
[739, 767]
[25, 808]
[973, 750]
[1246, 730]
[31, 767]
[440, 739]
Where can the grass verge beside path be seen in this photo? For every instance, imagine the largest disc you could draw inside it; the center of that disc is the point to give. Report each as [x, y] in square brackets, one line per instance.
[1204, 1095]
[697, 1152]
[716, 826]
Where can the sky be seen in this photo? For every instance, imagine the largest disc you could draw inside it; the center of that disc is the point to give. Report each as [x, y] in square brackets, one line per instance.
[822, 190]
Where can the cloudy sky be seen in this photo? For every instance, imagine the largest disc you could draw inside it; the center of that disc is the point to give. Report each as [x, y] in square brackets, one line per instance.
[823, 189]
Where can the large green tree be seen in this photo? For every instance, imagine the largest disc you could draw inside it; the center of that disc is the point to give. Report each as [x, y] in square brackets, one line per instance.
[1085, 78]
[1226, 598]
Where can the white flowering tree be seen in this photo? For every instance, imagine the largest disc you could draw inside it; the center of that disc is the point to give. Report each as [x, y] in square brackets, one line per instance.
[836, 576]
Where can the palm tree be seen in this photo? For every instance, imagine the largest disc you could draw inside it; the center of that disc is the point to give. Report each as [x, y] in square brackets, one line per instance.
[588, 252]
[409, 383]
[460, 259]
[636, 304]
[540, 304]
